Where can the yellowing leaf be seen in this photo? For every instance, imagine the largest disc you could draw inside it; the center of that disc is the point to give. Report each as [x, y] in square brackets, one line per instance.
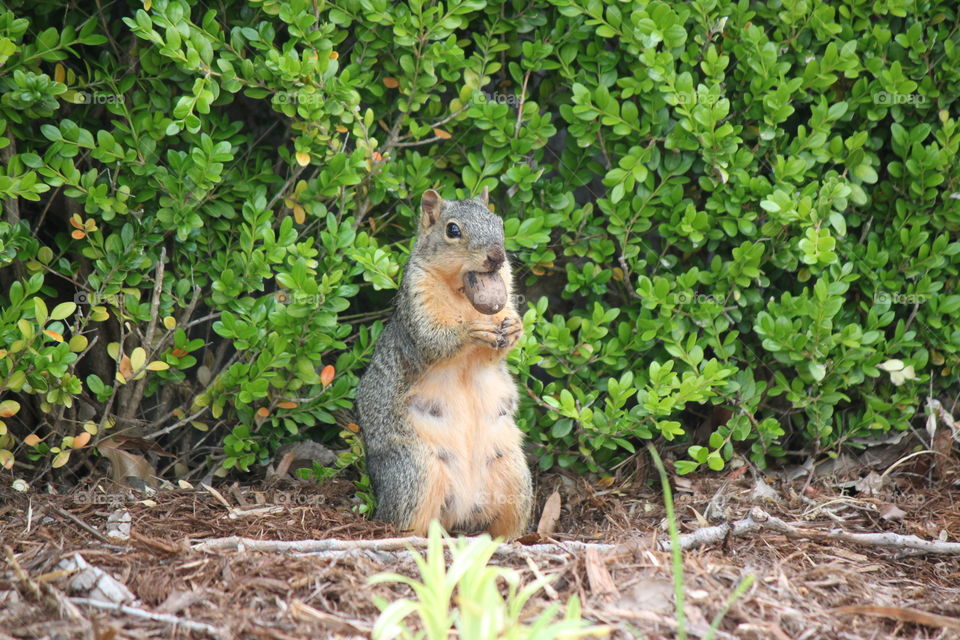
[6, 459]
[99, 314]
[147, 4]
[170, 323]
[137, 359]
[78, 343]
[3, 428]
[74, 97]
[9, 408]
[263, 412]
[76, 234]
[891, 365]
[63, 310]
[303, 158]
[81, 440]
[287, 404]
[334, 55]
[391, 83]
[40, 311]
[91, 427]
[59, 73]
[299, 215]
[53, 334]
[113, 350]
[32, 440]
[157, 365]
[26, 329]
[76, 221]
[443, 135]
[60, 459]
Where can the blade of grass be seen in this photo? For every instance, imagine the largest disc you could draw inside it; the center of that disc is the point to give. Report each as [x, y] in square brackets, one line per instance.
[739, 591]
[675, 550]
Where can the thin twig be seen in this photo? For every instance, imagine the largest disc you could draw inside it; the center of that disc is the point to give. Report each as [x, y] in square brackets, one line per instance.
[177, 621]
[148, 340]
[523, 98]
[759, 519]
[83, 525]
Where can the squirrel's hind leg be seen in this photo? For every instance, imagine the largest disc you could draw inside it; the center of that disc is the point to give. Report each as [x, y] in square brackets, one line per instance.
[512, 495]
[409, 492]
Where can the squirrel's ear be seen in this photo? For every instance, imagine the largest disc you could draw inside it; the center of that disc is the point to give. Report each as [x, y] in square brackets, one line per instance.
[484, 196]
[430, 206]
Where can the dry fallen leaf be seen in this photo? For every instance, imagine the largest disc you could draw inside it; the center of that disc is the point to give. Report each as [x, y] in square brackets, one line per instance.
[550, 515]
[124, 464]
[601, 582]
[892, 512]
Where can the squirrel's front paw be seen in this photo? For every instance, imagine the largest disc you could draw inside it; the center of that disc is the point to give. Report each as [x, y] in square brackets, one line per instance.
[488, 333]
[511, 328]
[497, 335]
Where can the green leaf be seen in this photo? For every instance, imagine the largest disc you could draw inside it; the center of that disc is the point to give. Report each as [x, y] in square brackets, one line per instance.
[63, 310]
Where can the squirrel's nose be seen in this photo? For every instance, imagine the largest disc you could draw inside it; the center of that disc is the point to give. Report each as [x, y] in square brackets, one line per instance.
[495, 258]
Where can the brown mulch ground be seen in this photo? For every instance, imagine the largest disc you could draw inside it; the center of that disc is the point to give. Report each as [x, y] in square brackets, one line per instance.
[248, 594]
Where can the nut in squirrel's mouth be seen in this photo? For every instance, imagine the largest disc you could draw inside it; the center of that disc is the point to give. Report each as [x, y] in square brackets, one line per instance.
[485, 290]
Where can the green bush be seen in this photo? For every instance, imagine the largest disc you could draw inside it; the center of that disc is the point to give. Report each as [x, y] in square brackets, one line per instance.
[716, 208]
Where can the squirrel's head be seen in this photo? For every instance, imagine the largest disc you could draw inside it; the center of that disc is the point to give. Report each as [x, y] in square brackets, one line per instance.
[465, 232]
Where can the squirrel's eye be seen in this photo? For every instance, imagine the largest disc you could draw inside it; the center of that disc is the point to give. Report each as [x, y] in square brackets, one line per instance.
[453, 230]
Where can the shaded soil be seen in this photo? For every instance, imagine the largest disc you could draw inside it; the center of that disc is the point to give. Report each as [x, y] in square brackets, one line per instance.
[249, 594]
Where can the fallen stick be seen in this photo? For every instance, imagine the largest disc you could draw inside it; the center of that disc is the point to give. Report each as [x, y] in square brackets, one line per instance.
[167, 618]
[384, 544]
[756, 520]
[759, 519]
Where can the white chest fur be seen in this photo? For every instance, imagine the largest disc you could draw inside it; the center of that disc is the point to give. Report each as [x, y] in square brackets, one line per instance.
[462, 410]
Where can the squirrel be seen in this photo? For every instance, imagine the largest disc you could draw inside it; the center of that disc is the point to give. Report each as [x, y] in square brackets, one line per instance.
[436, 403]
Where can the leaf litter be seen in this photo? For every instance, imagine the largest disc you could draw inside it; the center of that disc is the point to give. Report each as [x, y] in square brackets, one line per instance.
[291, 560]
